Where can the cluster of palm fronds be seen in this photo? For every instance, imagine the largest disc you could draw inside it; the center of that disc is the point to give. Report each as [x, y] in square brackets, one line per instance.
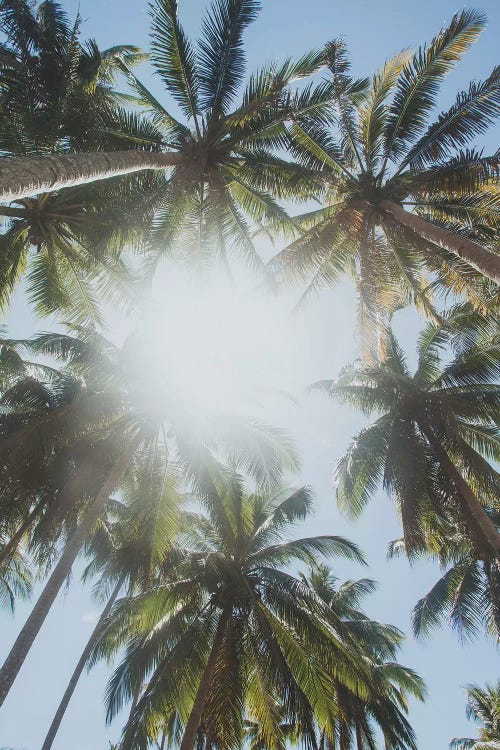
[184, 516]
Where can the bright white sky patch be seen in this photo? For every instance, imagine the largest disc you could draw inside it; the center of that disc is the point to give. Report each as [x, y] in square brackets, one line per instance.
[218, 346]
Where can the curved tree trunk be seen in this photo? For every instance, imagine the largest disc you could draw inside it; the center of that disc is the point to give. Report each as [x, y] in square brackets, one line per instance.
[489, 537]
[194, 721]
[484, 261]
[26, 637]
[13, 542]
[68, 693]
[22, 176]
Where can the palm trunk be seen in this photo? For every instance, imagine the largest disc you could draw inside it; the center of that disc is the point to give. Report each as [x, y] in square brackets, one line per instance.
[489, 537]
[13, 542]
[484, 261]
[26, 637]
[13, 213]
[194, 721]
[68, 693]
[22, 176]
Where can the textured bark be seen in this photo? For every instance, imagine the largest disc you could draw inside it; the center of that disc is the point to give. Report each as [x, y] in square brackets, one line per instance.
[194, 721]
[477, 256]
[489, 537]
[13, 542]
[22, 176]
[68, 693]
[29, 632]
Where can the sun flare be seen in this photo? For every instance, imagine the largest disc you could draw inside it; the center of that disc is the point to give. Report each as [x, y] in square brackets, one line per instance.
[217, 346]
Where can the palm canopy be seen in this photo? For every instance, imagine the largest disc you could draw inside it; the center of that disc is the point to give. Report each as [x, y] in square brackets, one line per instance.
[228, 174]
[382, 156]
[483, 706]
[56, 92]
[386, 707]
[57, 97]
[467, 595]
[117, 415]
[96, 400]
[229, 633]
[435, 431]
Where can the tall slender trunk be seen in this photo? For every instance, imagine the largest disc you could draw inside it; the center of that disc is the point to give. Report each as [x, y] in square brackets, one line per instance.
[477, 256]
[22, 176]
[485, 528]
[68, 693]
[13, 542]
[26, 637]
[191, 729]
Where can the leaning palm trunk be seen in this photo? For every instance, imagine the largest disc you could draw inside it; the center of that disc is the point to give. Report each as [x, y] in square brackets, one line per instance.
[485, 533]
[484, 261]
[68, 693]
[22, 176]
[194, 721]
[15, 539]
[26, 637]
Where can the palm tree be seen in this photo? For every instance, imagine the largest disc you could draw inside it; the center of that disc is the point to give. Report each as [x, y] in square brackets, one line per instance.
[468, 592]
[483, 706]
[357, 719]
[68, 246]
[126, 414]
[57, 97]
[429, 446]
[223, 157]
[402, 197]
[127, 546]
[56, 92]
[229, 632]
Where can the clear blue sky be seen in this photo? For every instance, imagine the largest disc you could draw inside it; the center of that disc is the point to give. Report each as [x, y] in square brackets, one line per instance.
[323, 340]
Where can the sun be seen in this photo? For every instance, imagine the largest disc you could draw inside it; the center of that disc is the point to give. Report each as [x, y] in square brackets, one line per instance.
[217, 346]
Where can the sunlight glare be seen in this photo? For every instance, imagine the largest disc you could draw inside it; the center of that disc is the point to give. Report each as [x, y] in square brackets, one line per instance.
[217, 346]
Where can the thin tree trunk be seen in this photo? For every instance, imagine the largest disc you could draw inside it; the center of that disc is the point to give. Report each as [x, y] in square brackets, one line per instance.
[68, 693]
[191, 729]
[26, 637]
[489, 536]
[14, 213]
[484, 261]
[13, 542]
[22, 176]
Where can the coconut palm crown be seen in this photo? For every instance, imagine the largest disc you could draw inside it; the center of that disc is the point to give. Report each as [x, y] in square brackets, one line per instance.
[229, 631]
[467, 595]
[406, 199]
[483, 706]
[227, 174]
[431, 442]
